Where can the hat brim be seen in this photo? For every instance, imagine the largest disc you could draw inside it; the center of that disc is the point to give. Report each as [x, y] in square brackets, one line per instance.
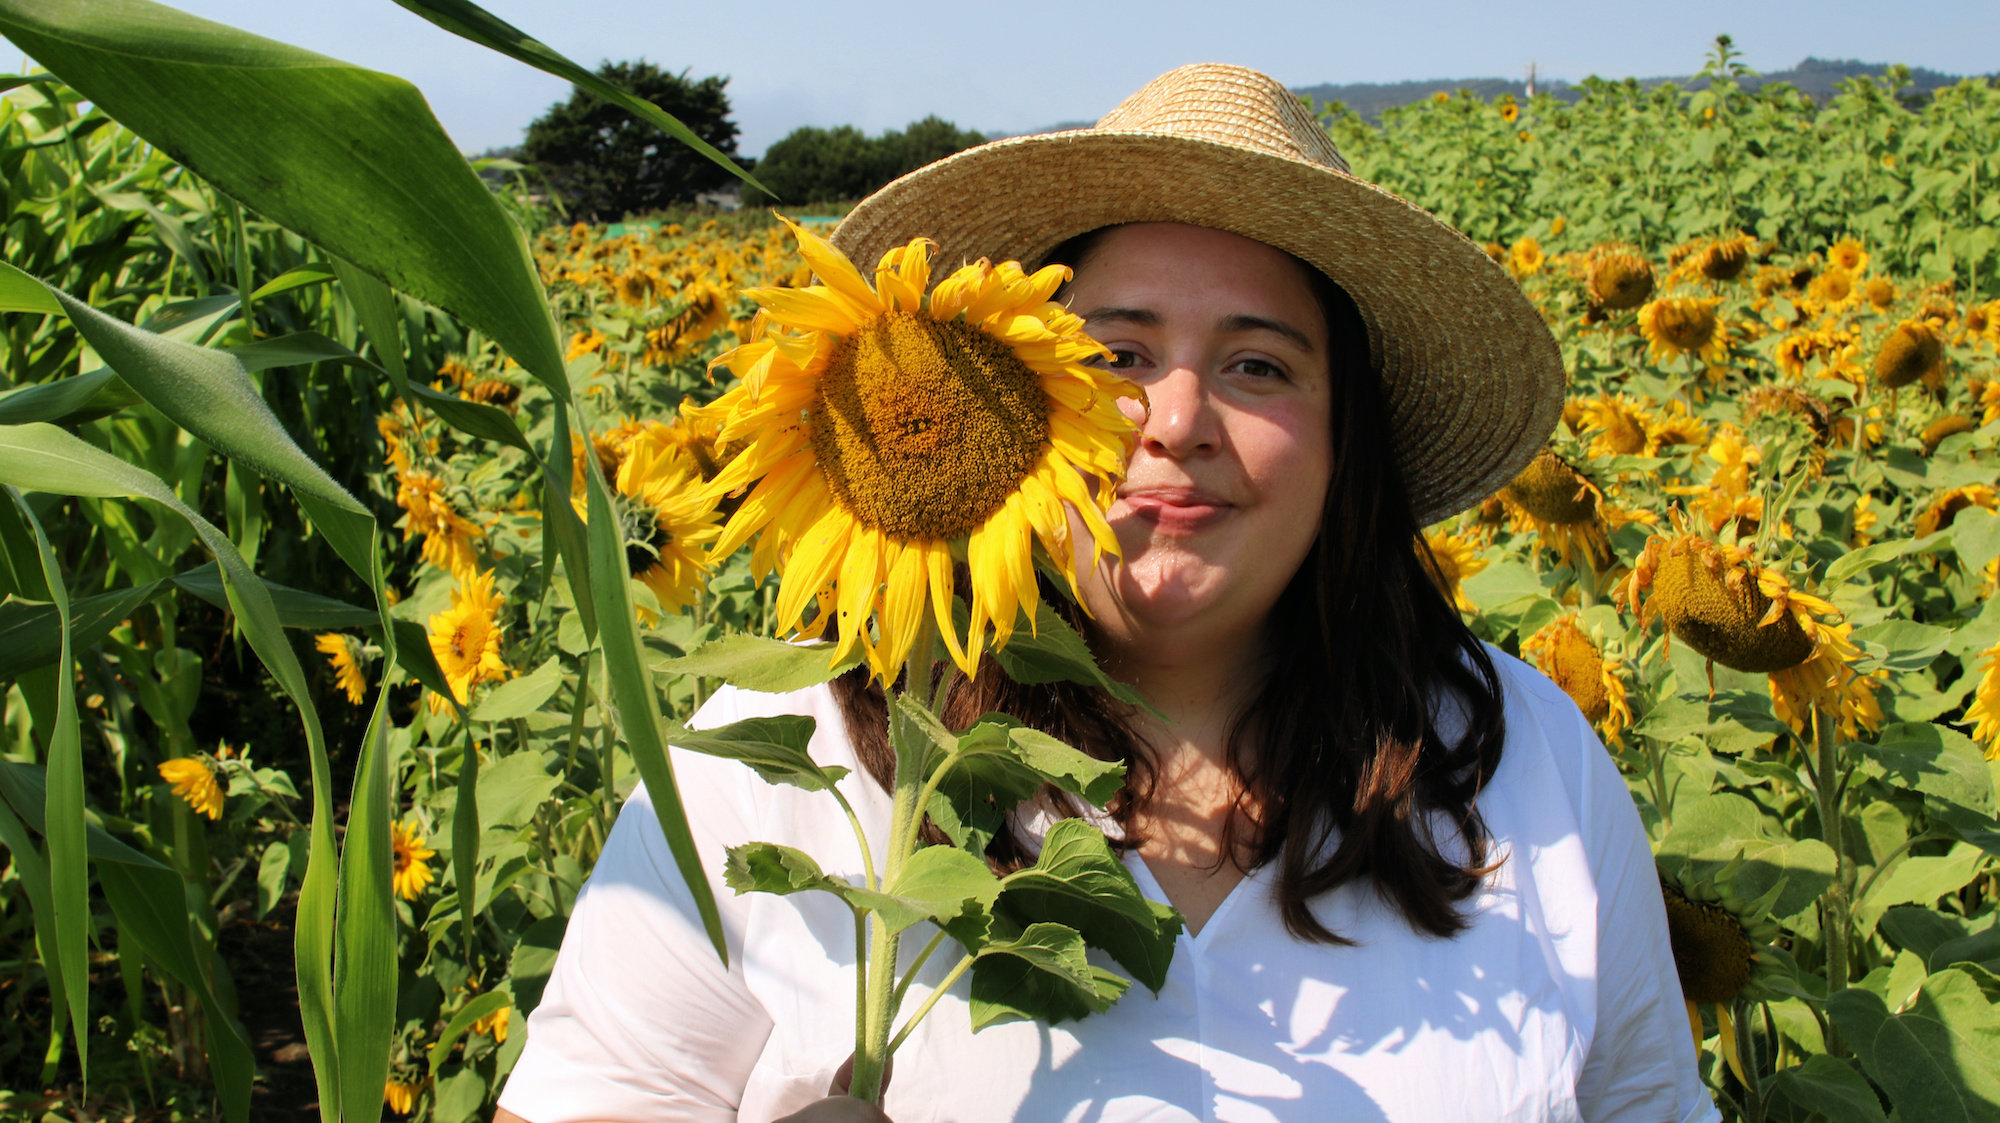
[1471, 375]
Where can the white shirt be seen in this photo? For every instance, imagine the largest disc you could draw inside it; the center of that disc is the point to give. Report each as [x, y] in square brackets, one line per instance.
[1559, 1003]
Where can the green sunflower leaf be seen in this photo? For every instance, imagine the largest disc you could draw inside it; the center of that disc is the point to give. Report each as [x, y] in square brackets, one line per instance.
[1832, 1088]
[1079, 882]
[1040, 973]
[1938, 1059]
[768, 666]
[776, 748]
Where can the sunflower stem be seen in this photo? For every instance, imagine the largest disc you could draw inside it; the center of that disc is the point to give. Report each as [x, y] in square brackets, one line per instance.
[1834, 902]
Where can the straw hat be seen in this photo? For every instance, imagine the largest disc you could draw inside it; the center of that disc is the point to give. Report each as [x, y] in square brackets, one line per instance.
[1471, 375]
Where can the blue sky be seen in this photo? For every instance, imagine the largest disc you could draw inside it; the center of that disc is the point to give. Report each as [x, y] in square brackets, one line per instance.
[1027, 63]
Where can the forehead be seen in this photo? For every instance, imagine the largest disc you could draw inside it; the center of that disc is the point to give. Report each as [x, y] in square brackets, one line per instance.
[1179, 270]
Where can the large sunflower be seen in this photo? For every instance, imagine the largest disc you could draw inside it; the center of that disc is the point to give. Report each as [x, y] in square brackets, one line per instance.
[466, 639]
[889, 430]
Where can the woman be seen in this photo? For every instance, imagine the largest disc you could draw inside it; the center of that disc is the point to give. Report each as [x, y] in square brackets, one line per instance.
[1415, 886]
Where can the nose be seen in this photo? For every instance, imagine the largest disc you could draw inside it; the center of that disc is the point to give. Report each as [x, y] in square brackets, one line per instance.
[1180, 419]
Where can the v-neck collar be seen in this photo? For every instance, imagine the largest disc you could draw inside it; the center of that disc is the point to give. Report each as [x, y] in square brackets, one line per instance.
[1149, 886]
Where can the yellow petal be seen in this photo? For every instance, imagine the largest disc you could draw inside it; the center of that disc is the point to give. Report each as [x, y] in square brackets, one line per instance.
[903, 602]
[831, 266]
[813, 564]
[860, 581]
[938, 563]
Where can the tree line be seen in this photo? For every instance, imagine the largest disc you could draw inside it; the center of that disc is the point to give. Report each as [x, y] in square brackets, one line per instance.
[603, 163]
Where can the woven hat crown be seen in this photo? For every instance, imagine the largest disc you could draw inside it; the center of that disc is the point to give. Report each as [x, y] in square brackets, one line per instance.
[1230, 104]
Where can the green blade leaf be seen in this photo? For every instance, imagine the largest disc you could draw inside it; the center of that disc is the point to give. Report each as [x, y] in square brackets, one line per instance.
[1039, 975]
[25, 787]
[151, 908]
[297, 277]
[768, 666]
[632, 690]
[776, 748]
[492, 1002]
[369, 173]
[1080, 883]
[44, 458]
[63, 823]
[50, 401]
[30, 633]
[468, 20]
[296, 608]
[366, 971]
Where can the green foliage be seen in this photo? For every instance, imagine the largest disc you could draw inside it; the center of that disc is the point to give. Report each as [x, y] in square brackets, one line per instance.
[816, 165]
[605, 161]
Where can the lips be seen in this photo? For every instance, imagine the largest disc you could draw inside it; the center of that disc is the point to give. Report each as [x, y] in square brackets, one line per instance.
[1174, 510]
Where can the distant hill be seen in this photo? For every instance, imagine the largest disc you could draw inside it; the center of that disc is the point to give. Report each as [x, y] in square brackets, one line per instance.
[1816, 77]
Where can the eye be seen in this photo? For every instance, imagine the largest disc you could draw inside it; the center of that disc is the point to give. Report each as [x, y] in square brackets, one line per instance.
[1260, 369]
[1122, 358]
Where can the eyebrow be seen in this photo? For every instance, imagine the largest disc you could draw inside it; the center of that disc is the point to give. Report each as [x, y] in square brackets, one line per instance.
[1146, 317]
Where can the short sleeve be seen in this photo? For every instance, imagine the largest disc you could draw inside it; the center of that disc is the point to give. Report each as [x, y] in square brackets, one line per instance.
[1641, 1066]
[641, 1019]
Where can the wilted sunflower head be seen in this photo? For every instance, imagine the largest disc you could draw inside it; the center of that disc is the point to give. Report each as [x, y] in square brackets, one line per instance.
[1945, 506]
[1714, 932]
[1621, 280]
[1935, 433]
[1912, 351]
[1881, 293]
[1793, 402]
[1717, 600]
[1552, 491]
[1577, 664]
[1724, 260]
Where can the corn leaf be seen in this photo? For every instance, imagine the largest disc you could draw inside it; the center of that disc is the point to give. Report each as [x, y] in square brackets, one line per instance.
[469, 20]
[369, 174]
[42, 457]
[30, 634]
[632, 693]
[63, 824]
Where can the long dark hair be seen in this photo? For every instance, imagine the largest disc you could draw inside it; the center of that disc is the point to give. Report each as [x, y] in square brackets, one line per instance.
[1361, 755]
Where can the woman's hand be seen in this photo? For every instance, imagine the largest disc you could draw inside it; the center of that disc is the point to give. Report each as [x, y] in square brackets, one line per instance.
[838, 1106]
[838, 1109]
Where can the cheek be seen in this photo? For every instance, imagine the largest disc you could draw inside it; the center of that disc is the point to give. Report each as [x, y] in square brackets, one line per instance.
[1288, 457]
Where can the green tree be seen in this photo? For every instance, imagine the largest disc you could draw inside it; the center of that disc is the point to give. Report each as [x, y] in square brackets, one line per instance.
[815, 165]
[606, 163]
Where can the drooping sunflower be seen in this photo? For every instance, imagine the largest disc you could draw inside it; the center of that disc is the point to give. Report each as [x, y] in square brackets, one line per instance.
[494, 1025]
[1457, 558]
[1673, 427]
[412, 860]
[703, 311]
[448, 535]
[1716, 936]
[667, 519]
[1848, 254]
[194, 781]
[1935, 433]
[1881, 293]
[1584, 670]
[1621, 425]
[1983, 715]
[345, 653]
[886, 427]
[1684, 325]
[1989, 397]
[583, 343]
[1562, 506]
[466, 639]
[1732, 610]
[400, 1096]
[1945, 506]
[1911, 352]
[1725, 258]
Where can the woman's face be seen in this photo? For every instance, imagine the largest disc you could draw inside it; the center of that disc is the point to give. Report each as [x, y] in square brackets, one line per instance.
[1223, 498]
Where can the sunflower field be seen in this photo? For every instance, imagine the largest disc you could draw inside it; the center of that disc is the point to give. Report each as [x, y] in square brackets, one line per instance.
[358, 559]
